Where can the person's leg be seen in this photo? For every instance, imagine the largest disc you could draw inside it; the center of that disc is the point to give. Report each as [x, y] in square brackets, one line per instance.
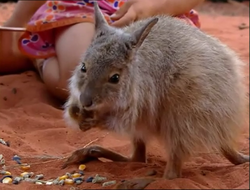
[70, 44]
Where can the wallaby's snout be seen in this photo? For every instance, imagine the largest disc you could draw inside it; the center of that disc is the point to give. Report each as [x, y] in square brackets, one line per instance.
[86, 99]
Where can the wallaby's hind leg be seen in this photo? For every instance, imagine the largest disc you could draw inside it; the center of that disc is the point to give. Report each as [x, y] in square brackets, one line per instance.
[174, 165]
[139, 152]
[94, 152]
[234, 156]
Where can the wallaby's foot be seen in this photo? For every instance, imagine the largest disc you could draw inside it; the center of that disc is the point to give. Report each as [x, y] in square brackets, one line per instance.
[173, 167]
[92, 153]
[234, 156]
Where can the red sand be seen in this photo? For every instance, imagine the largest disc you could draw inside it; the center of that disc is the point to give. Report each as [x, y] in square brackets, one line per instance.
[31, 121]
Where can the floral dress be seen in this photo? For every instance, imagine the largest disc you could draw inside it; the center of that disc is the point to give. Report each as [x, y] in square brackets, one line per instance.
[39, 41]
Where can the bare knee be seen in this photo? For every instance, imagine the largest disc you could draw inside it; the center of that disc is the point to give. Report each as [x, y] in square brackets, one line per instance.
[53, 80]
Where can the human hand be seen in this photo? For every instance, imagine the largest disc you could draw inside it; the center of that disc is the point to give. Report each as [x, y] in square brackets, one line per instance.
[134, 10]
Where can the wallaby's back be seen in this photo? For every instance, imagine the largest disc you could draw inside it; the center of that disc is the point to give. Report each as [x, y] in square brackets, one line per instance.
[191, 85]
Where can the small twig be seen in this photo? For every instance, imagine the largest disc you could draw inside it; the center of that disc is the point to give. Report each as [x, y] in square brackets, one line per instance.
[62, 89]
[95, 140]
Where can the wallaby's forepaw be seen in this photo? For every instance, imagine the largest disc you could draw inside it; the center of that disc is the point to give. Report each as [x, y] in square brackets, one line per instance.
[82, 156]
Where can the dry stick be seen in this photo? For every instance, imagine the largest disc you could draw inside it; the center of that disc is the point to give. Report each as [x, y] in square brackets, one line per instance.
[62, 89]
[53, 159]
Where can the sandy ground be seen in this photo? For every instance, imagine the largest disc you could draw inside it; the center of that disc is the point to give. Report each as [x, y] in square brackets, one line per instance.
[32, 122]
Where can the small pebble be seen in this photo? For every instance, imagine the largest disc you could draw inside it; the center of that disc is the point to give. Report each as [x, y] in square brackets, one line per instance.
[1, 156]
[82, 167]
[69, 181]
[7, 180]
[89, 179]
[38, 183]
[108, 183]
[81, 172]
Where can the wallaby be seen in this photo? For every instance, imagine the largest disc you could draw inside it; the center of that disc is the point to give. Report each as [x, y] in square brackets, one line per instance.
[158, 77]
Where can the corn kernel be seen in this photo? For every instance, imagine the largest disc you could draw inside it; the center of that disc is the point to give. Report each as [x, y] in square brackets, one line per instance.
[27, 174]
[25, 167]
[75, 175]
[82, 167]
[7, 180]
[5, 172]
[63, 177]
[24, 173]
[69, 181]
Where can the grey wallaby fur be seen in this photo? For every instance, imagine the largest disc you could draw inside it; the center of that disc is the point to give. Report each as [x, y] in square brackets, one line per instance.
[160, 78]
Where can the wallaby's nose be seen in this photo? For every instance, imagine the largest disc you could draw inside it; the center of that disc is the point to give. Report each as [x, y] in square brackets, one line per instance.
[86, 100]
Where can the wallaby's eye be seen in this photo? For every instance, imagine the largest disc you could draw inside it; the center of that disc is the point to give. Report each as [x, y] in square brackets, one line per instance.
[83, 68]
[114, 79]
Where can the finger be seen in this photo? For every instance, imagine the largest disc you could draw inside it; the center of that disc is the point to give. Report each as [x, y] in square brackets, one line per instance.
[129, 17]
[122, 10]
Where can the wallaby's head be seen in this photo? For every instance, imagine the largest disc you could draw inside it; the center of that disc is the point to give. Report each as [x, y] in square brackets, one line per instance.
[106, 67]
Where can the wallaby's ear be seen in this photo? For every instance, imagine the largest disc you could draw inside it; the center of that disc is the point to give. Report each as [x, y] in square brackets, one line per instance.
[140, 34]
[100, 22]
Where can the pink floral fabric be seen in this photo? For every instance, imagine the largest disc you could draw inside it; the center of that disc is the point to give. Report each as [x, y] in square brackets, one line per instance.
[39, 40]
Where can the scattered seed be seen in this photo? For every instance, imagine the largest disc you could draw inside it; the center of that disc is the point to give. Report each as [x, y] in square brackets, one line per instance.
[98, 179]
[82, 167]
[49, 183]
[2, 172]
[61, 182]
[4, 142]
[108, 183]
[25, 167]
[17, 180]
[75, 175]
[27, 174]
[89, 179]
[17, 159]
[81, 172]
[2, 162]
[63, 177]
[38, 177]
[69, 181]
[7, 179]
[30, 180]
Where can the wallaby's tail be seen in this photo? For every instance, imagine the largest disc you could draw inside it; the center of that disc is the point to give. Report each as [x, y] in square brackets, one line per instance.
[234, 156]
